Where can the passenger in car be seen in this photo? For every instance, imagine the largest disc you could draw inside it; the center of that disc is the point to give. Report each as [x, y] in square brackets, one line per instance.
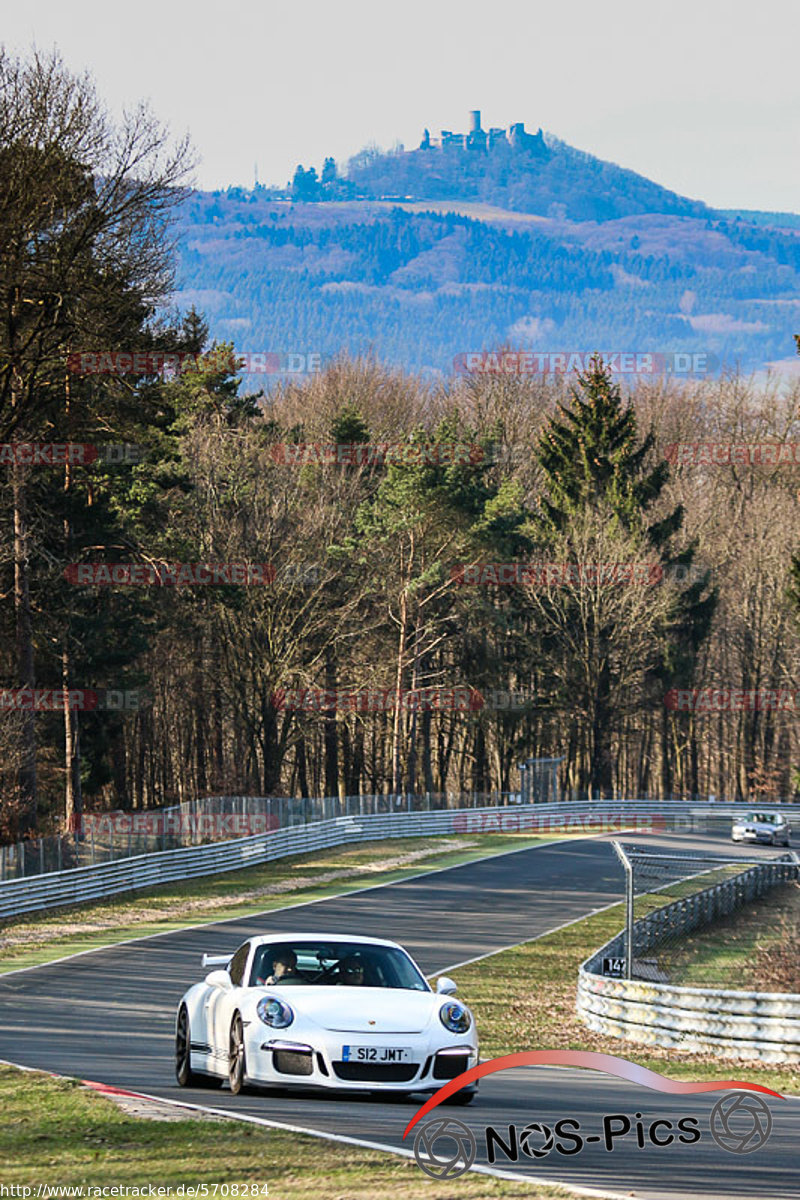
[284, 970]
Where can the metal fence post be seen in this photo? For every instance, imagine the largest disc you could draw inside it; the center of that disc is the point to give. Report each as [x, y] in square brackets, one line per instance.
[629, 920]
[627, 864]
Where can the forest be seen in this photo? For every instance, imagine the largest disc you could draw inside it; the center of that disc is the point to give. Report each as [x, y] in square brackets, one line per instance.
[363, 580]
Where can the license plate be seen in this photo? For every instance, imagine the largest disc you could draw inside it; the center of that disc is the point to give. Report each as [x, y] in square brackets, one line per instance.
[376, 1054]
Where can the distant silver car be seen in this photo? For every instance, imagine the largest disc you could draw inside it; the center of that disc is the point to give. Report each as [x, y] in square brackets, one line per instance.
[768, 827]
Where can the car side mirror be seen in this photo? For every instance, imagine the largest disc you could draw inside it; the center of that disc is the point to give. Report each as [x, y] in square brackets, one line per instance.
[445, 986]
[219, 979]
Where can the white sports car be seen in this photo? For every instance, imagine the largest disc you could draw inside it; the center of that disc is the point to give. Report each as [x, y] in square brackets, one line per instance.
[323, 1011]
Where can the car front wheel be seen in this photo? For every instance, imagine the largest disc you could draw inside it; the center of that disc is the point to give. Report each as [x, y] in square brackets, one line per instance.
[236, 1063]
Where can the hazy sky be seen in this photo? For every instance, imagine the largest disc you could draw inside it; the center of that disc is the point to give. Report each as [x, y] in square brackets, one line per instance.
[699, 95]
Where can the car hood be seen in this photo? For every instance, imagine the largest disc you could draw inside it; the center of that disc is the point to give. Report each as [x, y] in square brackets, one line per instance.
[363, 1010]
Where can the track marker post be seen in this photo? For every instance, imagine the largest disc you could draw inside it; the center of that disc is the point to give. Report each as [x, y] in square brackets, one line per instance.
[629, 892]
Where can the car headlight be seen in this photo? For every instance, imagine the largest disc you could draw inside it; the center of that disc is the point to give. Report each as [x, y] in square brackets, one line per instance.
[274, 1012]
[455, 1017]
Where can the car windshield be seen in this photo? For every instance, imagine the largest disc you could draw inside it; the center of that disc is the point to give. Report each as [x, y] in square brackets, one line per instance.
[765, 818]
[349, 964]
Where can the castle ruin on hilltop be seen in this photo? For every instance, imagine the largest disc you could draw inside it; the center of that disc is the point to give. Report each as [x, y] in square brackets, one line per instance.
[484, 140]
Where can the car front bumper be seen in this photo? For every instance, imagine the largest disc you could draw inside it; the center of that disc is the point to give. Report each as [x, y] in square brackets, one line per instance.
[275, 1059]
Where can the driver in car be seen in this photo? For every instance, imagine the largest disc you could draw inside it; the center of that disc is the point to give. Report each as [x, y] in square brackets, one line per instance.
[284, 969]
[351, 971]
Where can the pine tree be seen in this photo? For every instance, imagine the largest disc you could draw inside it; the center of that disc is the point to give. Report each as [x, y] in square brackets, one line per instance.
[591, 455]
[349, 427]
[595, 466]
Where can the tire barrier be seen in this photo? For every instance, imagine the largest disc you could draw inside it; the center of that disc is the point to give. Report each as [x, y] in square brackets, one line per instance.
[762, 1026]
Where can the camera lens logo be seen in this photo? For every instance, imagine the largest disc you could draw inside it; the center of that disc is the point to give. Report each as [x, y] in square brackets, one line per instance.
[740, 1122]
[534, 1134]
[445, 1148]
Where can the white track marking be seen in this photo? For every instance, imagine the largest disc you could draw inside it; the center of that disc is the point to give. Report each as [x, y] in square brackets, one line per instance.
[525, 941]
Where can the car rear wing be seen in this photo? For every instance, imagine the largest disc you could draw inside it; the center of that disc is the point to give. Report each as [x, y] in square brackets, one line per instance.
[216, 960]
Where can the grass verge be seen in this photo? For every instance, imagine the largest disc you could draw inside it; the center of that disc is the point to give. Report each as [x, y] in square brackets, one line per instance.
[524, 999]
[754, 949]
[42, 937]
[56, 1133]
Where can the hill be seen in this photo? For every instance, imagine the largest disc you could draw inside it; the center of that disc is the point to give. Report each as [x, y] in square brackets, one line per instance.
[550, 179]
[538, 246]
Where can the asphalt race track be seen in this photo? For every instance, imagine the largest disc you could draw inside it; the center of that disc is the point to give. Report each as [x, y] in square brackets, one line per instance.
[108, 1016]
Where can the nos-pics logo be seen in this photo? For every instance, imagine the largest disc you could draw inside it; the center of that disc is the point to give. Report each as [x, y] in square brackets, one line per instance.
[445, 1148]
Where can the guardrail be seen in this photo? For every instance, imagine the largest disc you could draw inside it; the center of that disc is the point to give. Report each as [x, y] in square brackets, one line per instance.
[80, 884]
[735, 1024]
[102, 837]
